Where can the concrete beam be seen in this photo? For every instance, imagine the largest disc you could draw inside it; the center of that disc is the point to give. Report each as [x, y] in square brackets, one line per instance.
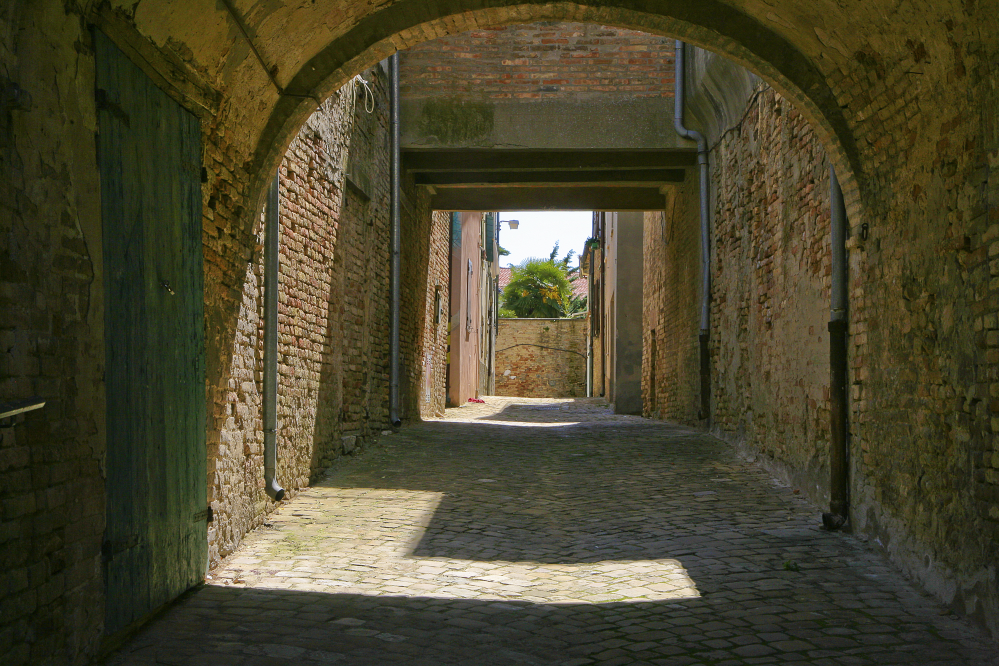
[605, 177]
[598, 122]
[489, 159]
[548, 198]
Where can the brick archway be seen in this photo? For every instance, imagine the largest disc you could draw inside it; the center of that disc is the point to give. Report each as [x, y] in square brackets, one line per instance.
[714, 25]
[903, 95]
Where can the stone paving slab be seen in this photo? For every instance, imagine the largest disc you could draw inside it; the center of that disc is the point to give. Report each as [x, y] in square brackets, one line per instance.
[544, 532]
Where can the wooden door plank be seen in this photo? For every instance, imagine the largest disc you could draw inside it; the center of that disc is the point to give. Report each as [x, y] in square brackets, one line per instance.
[149, 152]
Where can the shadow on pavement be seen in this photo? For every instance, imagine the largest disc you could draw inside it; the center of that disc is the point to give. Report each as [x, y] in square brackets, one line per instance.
[223, 625]
[257, 627]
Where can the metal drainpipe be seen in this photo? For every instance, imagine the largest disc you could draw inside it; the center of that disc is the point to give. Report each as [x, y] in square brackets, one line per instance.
[589, 321]
[599, 386]
[272, 232]
[838, 325]
[702, 160]
[494, 284]
[396, 243]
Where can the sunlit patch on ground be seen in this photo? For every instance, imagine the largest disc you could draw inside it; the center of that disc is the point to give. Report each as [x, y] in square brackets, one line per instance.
[367, 537]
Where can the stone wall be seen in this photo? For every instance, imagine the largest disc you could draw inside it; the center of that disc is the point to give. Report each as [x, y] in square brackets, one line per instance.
[233, 280]
[922, 464]
[357, 329]
[51, 341]
[770, 294]
[423, 344]
[311, 199]
[670, 308]
[771, 291]
[428, 385]
[334, 311]
[541, 358]
[925, 339]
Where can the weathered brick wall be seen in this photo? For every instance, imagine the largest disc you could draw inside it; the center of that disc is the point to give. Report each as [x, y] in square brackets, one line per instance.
[334, 310]
[51, 343]
[541, 358]
[425, 270]
[426, 288]
[546, 60]
[233, 395]
[924, 359]
[357, 329]
[770, 290]
[914, 93]
[923, 464]
[51, 289]
[670, 307]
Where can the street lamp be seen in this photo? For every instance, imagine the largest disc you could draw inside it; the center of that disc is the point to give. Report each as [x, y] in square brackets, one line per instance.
[513, 224]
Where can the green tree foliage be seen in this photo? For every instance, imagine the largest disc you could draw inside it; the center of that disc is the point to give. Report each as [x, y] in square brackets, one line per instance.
[540, 288]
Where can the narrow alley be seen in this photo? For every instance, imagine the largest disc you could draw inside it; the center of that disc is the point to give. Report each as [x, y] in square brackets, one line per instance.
[540, 531]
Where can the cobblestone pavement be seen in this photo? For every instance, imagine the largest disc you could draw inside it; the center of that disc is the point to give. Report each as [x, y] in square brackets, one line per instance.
[544, 532]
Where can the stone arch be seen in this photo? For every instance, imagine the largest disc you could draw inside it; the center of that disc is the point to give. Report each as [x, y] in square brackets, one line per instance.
[713, 25]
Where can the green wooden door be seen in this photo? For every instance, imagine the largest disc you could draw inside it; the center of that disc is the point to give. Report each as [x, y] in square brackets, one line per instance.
[149, 155]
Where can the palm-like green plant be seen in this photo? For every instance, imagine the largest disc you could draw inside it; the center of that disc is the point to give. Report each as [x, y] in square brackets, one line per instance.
[541, 288]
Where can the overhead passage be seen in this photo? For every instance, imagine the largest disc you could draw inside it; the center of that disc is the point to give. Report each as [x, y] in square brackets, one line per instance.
[545, 179]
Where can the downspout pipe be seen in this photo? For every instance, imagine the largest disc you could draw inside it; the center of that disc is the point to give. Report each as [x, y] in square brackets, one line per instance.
[702, 161]
[272, 233]
[838, 344]
[396, 232]
[604, 323]
[589, 321]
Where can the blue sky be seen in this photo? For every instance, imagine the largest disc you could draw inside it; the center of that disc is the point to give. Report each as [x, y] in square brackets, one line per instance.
[538, 232]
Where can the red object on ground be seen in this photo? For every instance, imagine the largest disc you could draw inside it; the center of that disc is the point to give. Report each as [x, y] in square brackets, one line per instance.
[476, 400]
